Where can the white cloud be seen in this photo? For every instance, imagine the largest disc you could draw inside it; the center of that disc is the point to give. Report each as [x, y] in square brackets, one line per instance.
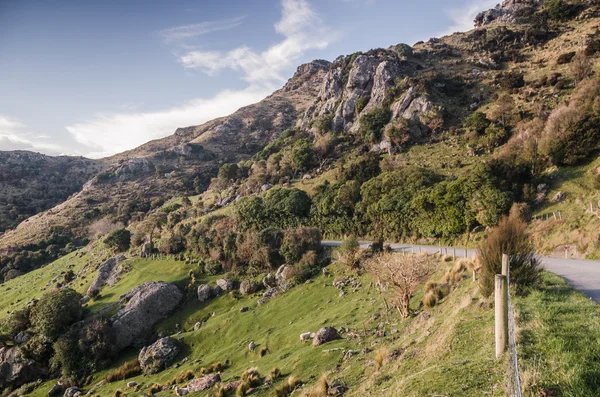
[110, 134]
[14, 135]
[302, 29]
[463, 18]
[190, 31]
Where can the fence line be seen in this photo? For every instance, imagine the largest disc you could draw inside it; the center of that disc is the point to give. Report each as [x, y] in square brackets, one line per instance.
[514, 378]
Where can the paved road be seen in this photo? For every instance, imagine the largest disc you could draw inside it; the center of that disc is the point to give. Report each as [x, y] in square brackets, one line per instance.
[583, 275]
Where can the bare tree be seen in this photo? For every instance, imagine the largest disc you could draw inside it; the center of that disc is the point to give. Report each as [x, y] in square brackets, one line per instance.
[402, 273]
[581, 67]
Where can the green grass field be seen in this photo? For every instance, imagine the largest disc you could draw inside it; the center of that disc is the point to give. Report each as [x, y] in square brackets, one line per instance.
[446, 350]
[559, 340]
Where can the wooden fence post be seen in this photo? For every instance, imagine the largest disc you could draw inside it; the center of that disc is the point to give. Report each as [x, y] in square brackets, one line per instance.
[501, 306]
[453, 254]
[466, 254]
[505, 267]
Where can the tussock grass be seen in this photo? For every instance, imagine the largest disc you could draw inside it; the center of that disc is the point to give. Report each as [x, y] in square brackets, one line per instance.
[129, 369]
[430, 299]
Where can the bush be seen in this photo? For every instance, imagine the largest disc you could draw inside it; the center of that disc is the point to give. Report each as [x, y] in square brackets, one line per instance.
[477, 122]
[127, 370]
[120, 240]
[303, 155]
[373, 123]
[84, 350]
[558, 10]
[361, 103]
[510, 238]
[565, 58]
[212, 267]
[296, 242]
[55, 312]
[350, 252]
[512, 80]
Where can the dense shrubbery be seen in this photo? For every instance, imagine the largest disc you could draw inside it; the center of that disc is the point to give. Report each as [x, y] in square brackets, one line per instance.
[281, 207]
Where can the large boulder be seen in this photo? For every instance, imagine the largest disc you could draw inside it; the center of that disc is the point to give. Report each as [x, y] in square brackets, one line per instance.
[105, 271]
[15, 370]
[225, 285]
[205, 292]
[204, 383]
[158, 356]
[248, 287]
[72, 392]
[324, 335]
[142, 307]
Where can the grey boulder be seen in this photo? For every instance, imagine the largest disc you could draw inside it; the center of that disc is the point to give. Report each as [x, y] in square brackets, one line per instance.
[158, 356]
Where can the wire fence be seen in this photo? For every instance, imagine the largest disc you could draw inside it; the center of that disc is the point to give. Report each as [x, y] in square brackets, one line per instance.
[514, 378]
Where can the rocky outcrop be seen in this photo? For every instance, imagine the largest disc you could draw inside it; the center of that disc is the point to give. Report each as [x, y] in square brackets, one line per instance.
[142, 307]
[158, 356]
[510, 11]
[108, 272]
[72, 392]
[324, 335]
[15, 370]
[204, 383]
[132, 168]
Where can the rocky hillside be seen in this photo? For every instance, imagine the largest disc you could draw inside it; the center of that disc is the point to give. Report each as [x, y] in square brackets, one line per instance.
[31, 183]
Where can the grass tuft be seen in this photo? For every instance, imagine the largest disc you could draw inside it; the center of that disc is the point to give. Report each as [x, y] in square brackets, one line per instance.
[129, 369]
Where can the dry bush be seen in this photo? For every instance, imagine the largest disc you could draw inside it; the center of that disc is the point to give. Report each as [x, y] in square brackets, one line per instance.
[430, 299]
[286, 389]
[102, 227]
[444, 291]
[155, 388]
[509, 237]
[447, 258]
[119, 393]
[273, 375]
[380, 357]
[403, 273]
[430, 285]
[127, 370]
[215, 367]
[321, 389]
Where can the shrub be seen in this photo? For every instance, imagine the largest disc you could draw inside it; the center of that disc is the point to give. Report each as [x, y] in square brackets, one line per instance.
[84, 349]
[120, 240]
[127, 370]
[373, 123]
[155, 388]
[510, 238]
[361, 103]
[512, 80]
[303, 155]
[558, 10]
[296, 242]
[350, 252]
[380, 357]
[565, 58]
[273, 375]
[212, 267]
[55, 312]
[323, 124]
[477, 122]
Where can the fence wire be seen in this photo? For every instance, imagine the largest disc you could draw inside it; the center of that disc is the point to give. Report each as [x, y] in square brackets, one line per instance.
[514, 378]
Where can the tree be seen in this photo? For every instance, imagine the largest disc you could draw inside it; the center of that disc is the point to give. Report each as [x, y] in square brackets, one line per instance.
[503, 109]
[402, 273]
[120, 240]
[55, 312]
[302, 155]
[477, 122]
[350, 252]
[296, 242]
[510, 238]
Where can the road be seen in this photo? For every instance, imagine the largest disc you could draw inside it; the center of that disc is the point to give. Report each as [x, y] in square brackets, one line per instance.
[583, 275]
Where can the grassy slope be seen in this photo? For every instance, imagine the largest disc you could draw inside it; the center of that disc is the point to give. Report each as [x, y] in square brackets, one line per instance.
[449, 353]
[578, 226]
[559, 341]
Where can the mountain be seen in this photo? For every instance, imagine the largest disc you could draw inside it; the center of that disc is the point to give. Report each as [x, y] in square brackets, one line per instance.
[32, 183]
[195, 264]
[359, 109]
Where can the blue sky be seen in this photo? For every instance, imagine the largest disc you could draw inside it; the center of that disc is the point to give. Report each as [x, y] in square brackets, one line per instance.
[96, 77]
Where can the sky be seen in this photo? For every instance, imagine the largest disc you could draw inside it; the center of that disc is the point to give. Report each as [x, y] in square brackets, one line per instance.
[97, 77]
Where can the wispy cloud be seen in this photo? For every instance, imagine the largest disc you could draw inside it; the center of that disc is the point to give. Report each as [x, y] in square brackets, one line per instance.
[463, 18]
[199, 29]
[14, 135]
[302, 30]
